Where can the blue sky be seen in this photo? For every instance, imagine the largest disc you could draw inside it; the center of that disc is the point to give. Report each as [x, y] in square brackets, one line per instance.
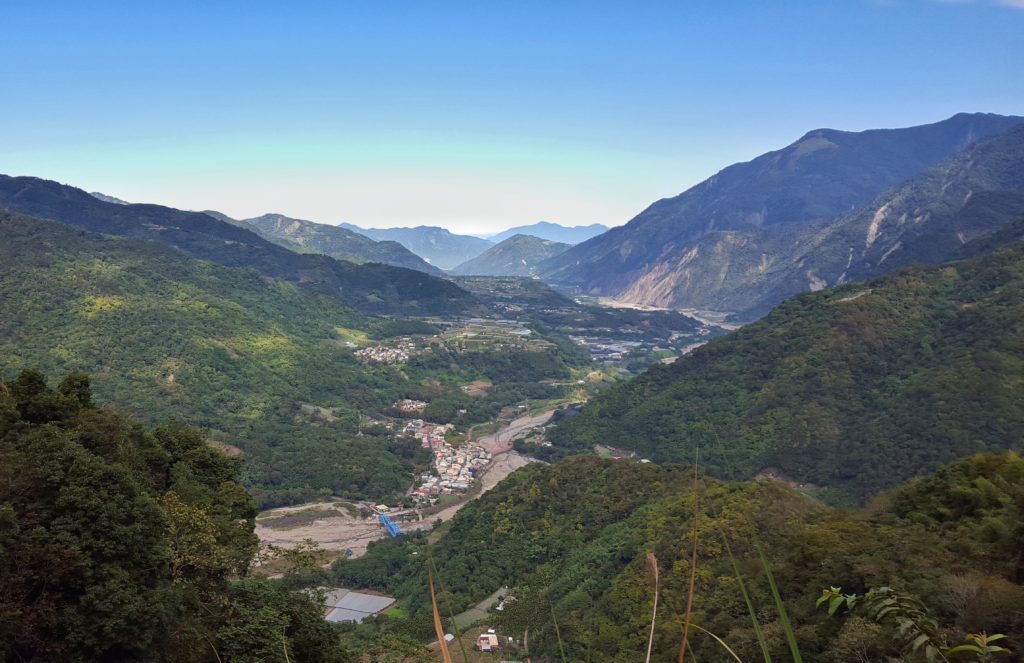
[470, 115]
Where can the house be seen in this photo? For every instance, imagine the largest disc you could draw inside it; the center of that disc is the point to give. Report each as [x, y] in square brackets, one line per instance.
[488, 641]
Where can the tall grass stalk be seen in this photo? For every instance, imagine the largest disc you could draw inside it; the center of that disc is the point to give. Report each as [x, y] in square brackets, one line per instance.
[446, 657]
[693, 560]
[561, 647]
[750, 604]
[783, 616]
[718, 640]
[448, 607]
[652, 561]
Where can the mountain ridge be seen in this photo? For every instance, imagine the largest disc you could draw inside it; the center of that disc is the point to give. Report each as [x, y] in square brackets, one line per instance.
[438, 246]
[802, 187]
[371, 288]
[336, 241]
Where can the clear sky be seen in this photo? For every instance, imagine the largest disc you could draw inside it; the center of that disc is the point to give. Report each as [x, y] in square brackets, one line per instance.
[472, 115]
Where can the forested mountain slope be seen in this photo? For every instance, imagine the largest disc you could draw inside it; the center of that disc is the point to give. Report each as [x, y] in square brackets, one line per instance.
[852, 389]
[121, 543]
[712, 246]
[337, 242]
[370, 288]
[571, 540]
[165, 335]
[518, 255]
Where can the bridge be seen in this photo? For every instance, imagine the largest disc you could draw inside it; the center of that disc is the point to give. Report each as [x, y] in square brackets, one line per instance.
[388, 524]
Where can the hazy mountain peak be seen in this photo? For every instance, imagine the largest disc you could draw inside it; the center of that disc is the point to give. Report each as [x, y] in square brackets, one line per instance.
[552, 231]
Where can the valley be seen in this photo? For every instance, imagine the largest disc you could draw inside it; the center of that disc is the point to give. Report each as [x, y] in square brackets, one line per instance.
[771, 411]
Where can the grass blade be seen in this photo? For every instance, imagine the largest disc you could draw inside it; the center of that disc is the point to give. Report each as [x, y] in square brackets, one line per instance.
[652, 561]
[719, 640]
[693, 565]
[783, 616]
[447, 604]
[750, 604]
[446, 657]
[561, 647]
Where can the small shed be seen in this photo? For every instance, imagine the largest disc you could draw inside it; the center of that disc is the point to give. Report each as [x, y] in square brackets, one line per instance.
[488, 641]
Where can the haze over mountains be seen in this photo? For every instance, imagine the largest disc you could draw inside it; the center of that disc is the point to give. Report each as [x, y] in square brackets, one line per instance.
[733, 242]
[551, 231]
[335, 241]
[518, 255]
[441, 247]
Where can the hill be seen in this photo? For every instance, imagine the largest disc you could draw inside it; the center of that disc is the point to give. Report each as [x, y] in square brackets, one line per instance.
[122, 543]
[719, 244]
[337, 242]
[438, 246]
[371, 288]
[852, 389]
[518, 255]
[165, 335]
[571, 542]
[552, 231]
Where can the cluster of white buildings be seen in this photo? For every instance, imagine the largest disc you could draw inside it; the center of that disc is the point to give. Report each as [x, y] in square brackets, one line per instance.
[384, 354]
[457, 467]
[408, 405]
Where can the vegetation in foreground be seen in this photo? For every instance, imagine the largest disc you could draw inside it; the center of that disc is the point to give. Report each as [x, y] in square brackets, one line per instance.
[120, 543]
[571, 540]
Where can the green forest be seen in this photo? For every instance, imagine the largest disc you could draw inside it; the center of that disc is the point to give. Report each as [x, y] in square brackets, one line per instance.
[125, 543]
[571, 541]
[847, 391]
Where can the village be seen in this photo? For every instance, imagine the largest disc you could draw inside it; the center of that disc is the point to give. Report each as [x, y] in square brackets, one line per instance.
[456, 467]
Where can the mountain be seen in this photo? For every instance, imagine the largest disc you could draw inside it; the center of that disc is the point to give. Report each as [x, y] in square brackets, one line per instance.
[570, 548]
[518, 255]
[852, 389]
[108, 199]
[337, 242]
[553, 232]
[725, 234]
[372, 288]
[165, 335]
[438, 246]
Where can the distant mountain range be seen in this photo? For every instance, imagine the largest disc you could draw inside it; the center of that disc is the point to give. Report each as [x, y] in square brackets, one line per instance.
[438, 246]
[335, 241]
[518, 255]
[371, 288]
[819, 212]
[552, 232]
